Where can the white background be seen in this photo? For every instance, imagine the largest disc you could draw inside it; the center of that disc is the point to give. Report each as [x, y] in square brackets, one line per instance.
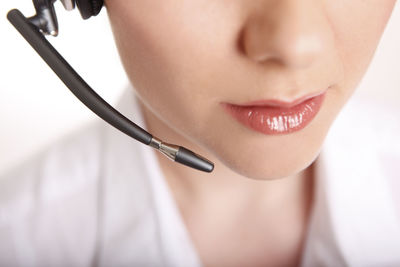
[37, 109]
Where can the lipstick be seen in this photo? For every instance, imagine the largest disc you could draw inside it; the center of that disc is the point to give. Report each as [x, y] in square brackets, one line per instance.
[273, 117]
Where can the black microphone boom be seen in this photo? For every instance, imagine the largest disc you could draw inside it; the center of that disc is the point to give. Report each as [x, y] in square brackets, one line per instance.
[93, 101]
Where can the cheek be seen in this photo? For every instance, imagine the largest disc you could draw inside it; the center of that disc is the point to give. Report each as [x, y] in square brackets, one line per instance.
[358, 26]
[172, 55]
[156, 51]
[142, 40]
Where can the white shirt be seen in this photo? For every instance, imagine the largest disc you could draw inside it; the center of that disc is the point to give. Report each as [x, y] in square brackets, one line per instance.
[98, 198]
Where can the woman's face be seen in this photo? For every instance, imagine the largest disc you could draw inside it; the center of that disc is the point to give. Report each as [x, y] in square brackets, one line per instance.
[185, 58]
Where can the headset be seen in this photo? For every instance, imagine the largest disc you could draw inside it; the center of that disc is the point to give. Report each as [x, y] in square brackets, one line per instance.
[44, 22]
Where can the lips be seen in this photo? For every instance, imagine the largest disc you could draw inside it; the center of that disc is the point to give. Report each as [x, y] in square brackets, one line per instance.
[274, 117]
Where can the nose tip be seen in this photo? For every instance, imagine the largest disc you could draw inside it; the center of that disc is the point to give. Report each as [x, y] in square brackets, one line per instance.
[293, 36]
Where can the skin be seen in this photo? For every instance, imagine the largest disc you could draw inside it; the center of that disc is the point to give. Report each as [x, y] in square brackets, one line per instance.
[186, 57]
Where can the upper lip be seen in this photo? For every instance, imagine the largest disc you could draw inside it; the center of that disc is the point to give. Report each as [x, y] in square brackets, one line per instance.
[278, 102]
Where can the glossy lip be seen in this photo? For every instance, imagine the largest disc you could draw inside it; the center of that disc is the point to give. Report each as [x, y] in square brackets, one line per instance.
[274, 117]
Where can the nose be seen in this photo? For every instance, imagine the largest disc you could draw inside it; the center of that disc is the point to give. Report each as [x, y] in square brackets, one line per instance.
[293, 33]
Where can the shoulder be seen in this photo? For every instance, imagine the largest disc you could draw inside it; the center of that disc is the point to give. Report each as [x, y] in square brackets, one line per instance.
[62, 168]
[49, 198]
[53, 206]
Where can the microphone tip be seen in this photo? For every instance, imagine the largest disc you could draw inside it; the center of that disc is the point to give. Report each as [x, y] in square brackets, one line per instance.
[191, 159]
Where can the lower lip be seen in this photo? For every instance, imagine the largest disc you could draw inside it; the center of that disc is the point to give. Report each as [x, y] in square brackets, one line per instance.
[272, 120]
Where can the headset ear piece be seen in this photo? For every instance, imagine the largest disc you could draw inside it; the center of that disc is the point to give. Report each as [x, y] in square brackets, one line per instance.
[89, 8]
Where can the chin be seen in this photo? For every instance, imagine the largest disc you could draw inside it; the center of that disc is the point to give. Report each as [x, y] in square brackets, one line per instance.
[266, 169]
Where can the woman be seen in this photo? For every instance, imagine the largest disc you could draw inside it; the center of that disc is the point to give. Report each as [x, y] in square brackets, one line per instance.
[254, 86]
